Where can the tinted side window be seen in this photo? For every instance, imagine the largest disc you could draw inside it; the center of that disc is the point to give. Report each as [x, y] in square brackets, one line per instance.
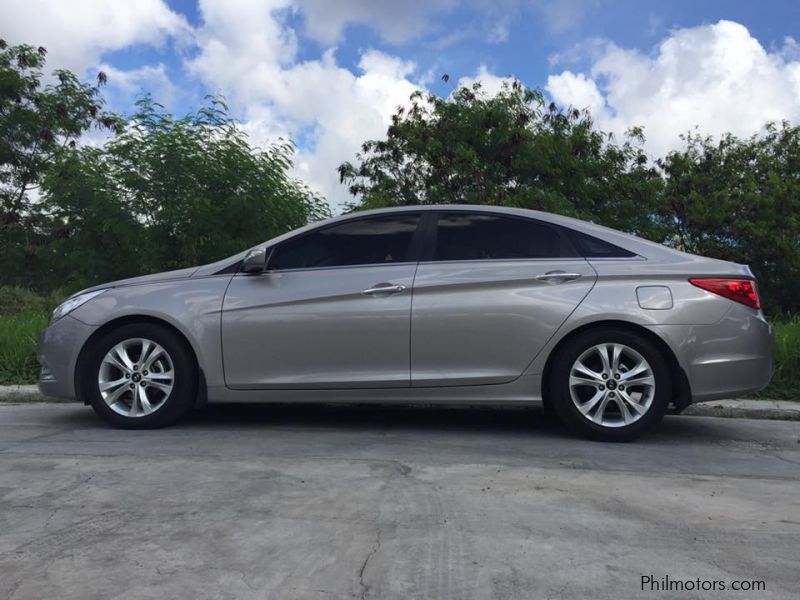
[592, 247]
[477, 236]
[369, 241]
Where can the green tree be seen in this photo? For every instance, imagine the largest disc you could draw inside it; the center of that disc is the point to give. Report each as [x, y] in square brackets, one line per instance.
[507, 149]
[39, 117]
[95, 234]
[168, 193]
[739, 200]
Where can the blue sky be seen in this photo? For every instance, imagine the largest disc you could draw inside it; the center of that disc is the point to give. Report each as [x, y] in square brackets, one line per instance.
[329, 72]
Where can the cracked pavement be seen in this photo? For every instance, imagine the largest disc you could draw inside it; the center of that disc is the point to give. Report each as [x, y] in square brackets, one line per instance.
[354, 502]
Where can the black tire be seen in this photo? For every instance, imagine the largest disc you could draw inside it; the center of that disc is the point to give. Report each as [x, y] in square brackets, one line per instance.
[559, 391]
[184, 388]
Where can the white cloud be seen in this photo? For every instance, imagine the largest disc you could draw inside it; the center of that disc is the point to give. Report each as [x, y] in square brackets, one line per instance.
[717, 78]
[400, 21]
[590, 48]
[790, 50]
[95, 137]
[562, 15]
[249, 52]
[580, 90]
[396, 21]
[343, 110]
[76, 33]
[490, 83]
[133, 83]
[499, 31]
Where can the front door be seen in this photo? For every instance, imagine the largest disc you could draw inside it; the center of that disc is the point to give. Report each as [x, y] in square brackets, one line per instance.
[493, 291]
[332, 310]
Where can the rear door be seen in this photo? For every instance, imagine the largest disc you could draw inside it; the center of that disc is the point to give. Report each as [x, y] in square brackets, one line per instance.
[333, 310]
[490, 293]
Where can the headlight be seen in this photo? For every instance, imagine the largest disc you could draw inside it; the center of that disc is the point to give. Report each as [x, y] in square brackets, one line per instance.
[71, 304]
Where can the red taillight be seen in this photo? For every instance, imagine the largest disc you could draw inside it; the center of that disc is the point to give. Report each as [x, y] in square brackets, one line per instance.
[738, 290]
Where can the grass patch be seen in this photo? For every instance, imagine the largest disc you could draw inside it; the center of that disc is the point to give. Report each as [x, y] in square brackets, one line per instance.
[23, 315]
[32, 398]
[15, 300]
[18, 337]
[785, 384]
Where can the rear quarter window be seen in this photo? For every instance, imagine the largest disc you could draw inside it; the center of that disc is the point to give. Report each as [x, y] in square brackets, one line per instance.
[591, 247]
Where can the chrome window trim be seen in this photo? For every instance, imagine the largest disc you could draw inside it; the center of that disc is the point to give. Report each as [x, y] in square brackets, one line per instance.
[497, 260]
[335, 267]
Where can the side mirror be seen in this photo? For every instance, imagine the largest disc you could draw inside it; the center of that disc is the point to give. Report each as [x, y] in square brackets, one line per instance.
[255, 261]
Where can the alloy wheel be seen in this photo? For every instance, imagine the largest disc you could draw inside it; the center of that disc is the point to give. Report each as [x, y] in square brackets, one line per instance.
[136, 377]
[612, 385]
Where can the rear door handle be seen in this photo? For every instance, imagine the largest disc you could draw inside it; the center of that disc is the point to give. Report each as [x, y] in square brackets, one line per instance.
[557, 276]
[384, 289]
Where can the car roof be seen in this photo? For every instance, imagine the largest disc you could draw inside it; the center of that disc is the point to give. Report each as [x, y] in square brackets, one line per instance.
[627, 241]
[639, 246]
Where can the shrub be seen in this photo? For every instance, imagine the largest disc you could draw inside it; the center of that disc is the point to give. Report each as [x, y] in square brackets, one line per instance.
[785, 383]
[15, 300]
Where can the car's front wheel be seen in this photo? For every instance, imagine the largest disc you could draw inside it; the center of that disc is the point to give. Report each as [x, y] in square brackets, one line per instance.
[140, 376]
[610, 384]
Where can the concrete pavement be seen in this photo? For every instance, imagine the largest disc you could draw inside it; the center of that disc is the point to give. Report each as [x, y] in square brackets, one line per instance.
[749, 409]
[326, 502]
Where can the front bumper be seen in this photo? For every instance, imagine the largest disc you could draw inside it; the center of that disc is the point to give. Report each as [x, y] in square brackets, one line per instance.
[59, 347]
[728, 359]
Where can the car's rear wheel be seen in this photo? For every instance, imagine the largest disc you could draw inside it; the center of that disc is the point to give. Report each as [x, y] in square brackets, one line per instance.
[140, 376]
[610, 384]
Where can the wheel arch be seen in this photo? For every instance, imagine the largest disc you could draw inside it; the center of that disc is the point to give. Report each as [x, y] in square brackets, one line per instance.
[681, 394]
[91, 341]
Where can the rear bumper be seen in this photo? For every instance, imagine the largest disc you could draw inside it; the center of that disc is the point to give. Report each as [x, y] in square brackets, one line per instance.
[730, 358]
[59, 347]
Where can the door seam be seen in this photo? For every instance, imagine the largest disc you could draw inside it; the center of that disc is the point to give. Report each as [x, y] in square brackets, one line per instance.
[410, 319]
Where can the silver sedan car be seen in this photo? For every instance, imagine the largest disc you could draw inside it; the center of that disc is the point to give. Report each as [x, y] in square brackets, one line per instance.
[449, 304]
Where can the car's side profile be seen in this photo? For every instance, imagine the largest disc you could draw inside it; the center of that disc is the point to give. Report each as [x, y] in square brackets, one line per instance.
[453, 304]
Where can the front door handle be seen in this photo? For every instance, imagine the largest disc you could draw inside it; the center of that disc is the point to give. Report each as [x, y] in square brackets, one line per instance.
[557, 276]
[384, 289]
